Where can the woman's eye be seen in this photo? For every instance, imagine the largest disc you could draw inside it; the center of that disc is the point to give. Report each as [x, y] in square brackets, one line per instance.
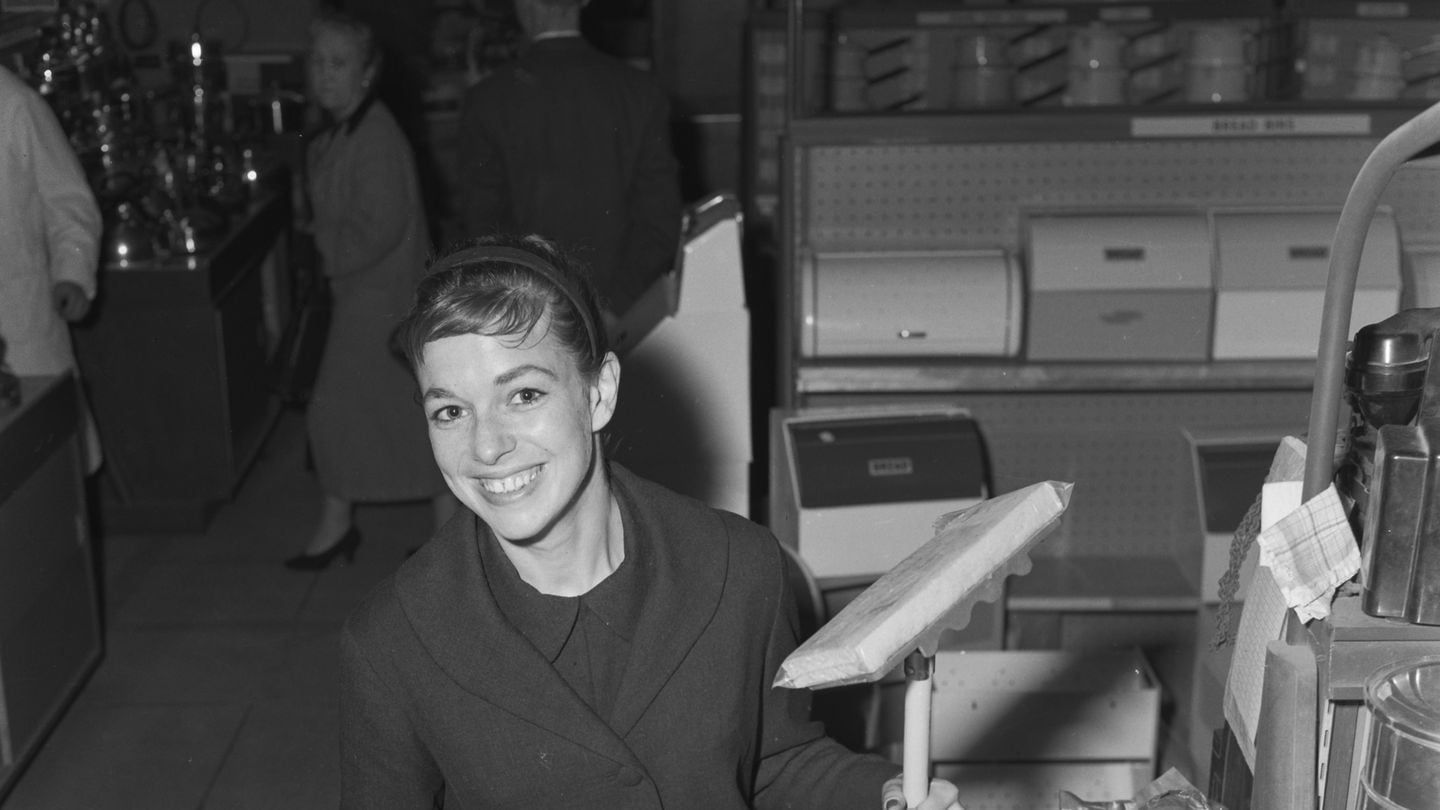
[528, 396]
[446, 414]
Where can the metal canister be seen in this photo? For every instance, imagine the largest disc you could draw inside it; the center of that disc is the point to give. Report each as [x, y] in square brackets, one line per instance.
[1384, 380]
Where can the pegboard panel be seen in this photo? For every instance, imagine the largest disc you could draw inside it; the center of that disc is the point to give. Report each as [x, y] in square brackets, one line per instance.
[1126, 452]
[928, 196]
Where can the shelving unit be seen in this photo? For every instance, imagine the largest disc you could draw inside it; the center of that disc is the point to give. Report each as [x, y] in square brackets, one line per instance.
[1125, 565]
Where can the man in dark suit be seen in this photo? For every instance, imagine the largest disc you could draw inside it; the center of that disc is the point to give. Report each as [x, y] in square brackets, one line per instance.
[573, 144]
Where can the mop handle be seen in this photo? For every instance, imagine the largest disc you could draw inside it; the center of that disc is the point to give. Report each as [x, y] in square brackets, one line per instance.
[1404, 143]
[916, 765]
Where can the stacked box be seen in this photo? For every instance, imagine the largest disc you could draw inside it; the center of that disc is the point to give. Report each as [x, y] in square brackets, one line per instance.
[881, 70]
[1160, 60]
[1333, 48]
[1167, 60]
[1017, 726]
[955, 57]
[924, 57]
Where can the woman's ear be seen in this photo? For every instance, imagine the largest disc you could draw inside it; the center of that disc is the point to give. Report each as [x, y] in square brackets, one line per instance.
[605, 392]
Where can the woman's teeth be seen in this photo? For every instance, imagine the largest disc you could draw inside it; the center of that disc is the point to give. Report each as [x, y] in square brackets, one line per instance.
[504, 486]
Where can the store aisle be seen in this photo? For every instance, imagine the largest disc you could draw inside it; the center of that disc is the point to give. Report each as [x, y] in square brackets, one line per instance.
[217, 688]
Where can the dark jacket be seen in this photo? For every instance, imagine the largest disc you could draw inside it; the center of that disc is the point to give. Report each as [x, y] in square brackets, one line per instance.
[574, 145]
[441, 693]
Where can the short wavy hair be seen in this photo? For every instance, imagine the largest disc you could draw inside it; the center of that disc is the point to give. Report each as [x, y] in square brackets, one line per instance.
[469, 293]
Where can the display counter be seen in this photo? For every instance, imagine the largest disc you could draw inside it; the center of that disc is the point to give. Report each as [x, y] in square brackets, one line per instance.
[968, 375]
[50, 638]
[175, 360]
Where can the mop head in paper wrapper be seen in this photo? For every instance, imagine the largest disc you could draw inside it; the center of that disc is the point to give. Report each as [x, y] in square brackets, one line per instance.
[930, 591]
[1170, 792]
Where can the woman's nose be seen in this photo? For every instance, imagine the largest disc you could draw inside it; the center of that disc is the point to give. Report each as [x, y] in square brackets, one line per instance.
[492, 439]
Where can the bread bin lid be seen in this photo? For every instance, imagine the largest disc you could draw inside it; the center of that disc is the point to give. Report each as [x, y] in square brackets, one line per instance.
[1119, 252]
[1274, 250]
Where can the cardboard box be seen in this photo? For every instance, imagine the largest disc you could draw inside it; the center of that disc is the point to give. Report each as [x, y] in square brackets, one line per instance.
[684, 416]
[1034, 706]
[1119, 287]
[856, 490]
[1329, 35]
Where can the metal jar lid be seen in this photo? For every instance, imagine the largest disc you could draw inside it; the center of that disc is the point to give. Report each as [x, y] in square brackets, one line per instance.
[1387, 362]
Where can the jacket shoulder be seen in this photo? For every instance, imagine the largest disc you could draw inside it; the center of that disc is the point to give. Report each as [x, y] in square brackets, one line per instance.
[377, 614]
[697, 520]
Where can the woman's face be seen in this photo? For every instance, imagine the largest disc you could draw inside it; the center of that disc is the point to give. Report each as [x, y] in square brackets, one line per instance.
[339, 77]
[512, 425]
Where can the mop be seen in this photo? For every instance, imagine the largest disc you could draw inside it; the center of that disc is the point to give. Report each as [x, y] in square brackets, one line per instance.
[902, 615]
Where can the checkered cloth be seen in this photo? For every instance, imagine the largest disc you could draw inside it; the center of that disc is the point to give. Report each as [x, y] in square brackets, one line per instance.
[1311, 552]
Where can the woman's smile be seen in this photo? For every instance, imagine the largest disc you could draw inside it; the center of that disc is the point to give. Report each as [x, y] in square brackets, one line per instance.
[510, 484]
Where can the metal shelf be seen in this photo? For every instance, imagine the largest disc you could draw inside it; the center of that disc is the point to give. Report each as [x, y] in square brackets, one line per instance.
[898, 375]
[1272, 119]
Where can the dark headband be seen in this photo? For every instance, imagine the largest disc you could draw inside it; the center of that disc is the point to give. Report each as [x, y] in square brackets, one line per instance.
[528, 260]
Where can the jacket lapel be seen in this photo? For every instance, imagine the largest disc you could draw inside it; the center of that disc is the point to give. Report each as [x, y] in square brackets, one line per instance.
[689, 552]
[444, 593]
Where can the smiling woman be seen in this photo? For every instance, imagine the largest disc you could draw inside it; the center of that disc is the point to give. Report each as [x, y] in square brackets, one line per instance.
[578, 637]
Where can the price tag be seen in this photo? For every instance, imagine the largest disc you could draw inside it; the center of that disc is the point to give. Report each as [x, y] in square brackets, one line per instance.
[1248, 126]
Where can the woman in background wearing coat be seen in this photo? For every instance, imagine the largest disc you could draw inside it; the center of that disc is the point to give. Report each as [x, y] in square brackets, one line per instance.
[370, 231]
[579, 637]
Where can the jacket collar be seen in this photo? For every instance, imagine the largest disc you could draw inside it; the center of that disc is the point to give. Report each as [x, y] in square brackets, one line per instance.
[350, 123]
[442, 590]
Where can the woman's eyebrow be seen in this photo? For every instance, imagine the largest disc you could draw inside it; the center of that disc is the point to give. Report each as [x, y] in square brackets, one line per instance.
[521, 370]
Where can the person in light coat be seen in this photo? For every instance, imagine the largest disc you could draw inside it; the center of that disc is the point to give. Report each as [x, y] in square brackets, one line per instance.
[50, 229]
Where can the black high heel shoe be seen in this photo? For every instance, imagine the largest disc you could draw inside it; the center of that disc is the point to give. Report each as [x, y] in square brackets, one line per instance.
[345, 546]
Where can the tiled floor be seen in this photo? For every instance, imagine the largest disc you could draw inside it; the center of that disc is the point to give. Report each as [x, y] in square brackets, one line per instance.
[217, 688]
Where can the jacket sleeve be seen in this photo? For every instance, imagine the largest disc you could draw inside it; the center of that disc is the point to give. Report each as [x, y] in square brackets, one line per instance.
[799, 766]
[652, 230]
[383, 763]
[370, 225]
[72, 218]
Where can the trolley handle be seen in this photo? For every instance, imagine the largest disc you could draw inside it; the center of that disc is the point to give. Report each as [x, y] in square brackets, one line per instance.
[1412, 139]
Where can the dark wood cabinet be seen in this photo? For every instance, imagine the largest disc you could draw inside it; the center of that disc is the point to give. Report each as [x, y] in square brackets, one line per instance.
[50, 638]
[174, 362]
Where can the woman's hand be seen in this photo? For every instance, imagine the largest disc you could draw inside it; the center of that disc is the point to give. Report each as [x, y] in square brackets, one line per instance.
[70, 301]
[943, 796]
